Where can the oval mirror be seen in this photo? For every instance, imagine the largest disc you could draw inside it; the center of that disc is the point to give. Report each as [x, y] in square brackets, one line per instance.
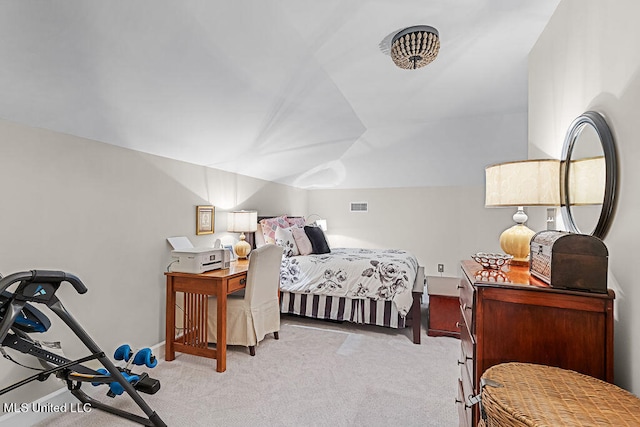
[589, 171]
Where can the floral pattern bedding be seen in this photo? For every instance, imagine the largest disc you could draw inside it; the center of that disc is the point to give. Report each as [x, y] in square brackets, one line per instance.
[379, 274]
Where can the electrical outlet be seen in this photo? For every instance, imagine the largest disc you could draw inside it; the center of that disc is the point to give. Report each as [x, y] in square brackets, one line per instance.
[440, 268]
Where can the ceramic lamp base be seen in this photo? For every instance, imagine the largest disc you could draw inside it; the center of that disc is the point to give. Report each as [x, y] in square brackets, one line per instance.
[516, 241]
[242, 248]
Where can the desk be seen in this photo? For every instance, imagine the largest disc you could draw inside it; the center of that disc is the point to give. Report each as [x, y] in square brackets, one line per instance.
[196, 289]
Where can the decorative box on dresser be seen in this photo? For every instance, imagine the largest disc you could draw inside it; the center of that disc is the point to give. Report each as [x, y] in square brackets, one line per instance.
[511, 316]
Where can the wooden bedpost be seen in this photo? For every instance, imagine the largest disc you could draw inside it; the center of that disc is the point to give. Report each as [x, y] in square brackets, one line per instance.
[416, 316]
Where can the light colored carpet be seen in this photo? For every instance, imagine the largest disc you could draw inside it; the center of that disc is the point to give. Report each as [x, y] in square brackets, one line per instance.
[317, 374]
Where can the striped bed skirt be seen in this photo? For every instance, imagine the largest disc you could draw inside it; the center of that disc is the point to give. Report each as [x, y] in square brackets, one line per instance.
[363, 311]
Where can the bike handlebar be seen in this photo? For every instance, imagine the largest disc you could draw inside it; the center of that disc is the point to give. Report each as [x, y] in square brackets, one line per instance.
[43, 276]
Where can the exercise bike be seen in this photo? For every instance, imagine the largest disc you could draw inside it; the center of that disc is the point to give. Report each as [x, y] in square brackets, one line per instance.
[19, 318]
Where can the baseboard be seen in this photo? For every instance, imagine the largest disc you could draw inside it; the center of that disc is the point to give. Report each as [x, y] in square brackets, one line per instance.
[60, 397]
[158, 350]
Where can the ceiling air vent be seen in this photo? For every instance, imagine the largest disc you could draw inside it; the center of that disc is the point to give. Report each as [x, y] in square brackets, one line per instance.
[359, 207]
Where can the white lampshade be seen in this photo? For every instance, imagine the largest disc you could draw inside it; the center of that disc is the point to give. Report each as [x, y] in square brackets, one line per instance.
[242, 221]
[525, 183]
[322, 223]
[586, 181]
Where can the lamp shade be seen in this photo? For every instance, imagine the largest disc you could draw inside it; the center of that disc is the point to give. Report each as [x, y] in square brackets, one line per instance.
[322, 223]
[242, 221]
[523, 183]
[587, 178]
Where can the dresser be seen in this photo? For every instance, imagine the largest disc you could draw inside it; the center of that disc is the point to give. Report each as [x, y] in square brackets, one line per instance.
[511, 316]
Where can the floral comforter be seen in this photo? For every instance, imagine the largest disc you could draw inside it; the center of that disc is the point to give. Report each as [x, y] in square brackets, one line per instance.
[379, 274]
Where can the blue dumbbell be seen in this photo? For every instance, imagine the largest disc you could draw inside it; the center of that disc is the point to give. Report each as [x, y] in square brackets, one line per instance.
[144, 357]
[123, 353]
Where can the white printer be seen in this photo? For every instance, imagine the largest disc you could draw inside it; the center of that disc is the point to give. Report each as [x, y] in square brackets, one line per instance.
[199, 260]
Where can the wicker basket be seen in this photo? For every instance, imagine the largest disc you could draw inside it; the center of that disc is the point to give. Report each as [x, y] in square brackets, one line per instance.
[537, 396]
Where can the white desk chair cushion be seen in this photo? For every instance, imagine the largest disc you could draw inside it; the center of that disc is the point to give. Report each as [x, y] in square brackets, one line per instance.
[257, 313]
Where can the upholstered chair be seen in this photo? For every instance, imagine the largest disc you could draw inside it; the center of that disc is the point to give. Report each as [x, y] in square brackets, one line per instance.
[254, 313]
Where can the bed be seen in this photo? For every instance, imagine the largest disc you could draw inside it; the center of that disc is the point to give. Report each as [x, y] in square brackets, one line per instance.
[380, 287]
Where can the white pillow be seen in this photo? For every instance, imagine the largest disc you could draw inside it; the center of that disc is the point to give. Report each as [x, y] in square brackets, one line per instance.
[284, 238]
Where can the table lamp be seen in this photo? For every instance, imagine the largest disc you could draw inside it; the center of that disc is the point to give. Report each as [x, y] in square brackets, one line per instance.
[519, 184]
[242, 222]
[320, 222]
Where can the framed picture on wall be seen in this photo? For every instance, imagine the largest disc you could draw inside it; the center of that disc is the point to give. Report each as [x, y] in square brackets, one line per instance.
[205, 219]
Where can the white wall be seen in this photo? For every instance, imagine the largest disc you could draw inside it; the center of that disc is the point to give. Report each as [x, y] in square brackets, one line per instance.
[587, 58]
[104, 213]
[440, 225]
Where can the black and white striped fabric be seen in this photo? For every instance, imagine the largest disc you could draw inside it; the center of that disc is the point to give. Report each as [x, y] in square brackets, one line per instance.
[362, 311]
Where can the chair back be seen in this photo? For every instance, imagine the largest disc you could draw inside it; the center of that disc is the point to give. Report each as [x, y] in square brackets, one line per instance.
[263, 275]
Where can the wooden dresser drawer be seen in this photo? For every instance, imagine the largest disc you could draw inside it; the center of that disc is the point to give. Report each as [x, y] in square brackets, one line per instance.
[467, 302]
[236, 283]
[468, 349]
[467, 387]
[464, 413]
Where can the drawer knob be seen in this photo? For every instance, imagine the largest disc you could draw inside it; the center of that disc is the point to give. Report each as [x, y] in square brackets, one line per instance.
[465, 307]
[243, 281]
[460, 363]
[458, 325]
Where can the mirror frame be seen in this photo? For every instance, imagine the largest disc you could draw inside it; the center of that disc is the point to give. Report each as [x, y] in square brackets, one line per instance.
[599, 124]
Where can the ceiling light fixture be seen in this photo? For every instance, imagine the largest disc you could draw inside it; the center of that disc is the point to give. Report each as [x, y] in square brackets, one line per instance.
[415, 47]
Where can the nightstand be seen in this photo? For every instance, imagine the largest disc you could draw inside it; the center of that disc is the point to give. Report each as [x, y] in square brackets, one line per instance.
[444, 306]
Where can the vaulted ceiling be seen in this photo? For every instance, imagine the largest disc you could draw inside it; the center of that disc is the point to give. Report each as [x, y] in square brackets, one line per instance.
[299, 92]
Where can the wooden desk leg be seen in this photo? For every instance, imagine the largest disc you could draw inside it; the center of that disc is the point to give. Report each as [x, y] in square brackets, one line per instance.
[169, 351]
[221, 344]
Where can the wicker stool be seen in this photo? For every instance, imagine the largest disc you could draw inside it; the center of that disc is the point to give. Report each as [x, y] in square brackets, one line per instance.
[536, 396]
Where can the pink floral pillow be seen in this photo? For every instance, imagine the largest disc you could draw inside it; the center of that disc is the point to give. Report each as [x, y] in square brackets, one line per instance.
[270, 225]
